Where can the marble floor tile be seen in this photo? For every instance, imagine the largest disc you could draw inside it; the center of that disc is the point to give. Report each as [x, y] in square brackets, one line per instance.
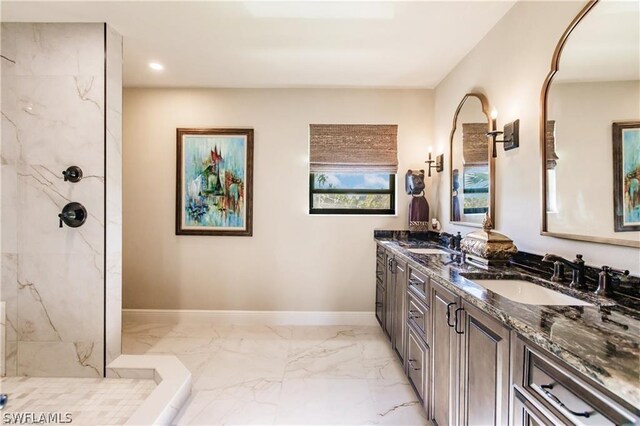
[252, 374]
[325, 401]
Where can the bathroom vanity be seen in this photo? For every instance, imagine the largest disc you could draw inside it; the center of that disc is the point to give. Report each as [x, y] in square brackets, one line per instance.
[474, 355]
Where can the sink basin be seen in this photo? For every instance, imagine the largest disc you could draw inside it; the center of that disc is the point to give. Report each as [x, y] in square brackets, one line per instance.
[531, 294]
[427, 251]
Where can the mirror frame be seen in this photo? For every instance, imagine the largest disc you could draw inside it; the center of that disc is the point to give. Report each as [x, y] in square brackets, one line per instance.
[555, 67]
[492, 166]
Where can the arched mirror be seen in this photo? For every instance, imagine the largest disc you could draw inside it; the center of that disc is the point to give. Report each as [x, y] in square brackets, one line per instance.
[471, 167]
[590, 128]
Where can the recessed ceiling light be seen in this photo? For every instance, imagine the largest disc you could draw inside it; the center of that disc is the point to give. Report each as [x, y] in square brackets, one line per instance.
[156, 66]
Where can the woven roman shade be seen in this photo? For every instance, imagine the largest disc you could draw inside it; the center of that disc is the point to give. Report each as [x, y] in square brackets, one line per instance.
[353, 148]
[475, 143]
[550, 141]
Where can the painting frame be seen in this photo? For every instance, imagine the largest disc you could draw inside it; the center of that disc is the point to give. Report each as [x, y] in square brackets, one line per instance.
[224, 134]
[619, 194]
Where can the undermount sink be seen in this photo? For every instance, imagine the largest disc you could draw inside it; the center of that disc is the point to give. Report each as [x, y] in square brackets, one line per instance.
[531, 294]
[427, 251]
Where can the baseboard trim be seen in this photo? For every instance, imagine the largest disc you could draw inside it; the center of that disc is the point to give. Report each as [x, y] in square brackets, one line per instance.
[249, 317]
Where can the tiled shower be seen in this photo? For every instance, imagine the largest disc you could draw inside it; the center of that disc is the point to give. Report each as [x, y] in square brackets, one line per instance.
[61, 105]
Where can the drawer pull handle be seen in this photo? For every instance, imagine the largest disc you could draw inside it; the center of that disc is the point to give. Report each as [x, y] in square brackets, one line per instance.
[555, 399]
[449, 313]
[415, 282]
[413, 316]
[411, 361]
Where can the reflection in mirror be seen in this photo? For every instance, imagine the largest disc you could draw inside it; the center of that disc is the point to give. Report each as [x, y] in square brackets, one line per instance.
[591, 145]
[471, 165]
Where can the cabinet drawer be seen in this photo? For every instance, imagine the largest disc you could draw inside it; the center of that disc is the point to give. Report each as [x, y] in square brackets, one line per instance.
[567, 396]
[419, 283]
[380, 270]
[417, 363]
[380, 304]
[418, 316]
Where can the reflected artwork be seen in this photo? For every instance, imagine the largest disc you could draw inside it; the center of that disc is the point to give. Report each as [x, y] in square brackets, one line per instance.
[626, 154]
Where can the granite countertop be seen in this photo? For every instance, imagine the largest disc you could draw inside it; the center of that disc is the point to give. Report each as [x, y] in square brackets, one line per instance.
[601, 341]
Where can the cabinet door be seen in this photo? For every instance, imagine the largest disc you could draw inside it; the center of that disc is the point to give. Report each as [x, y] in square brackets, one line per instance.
[444, 353]
[389, 295]
[400, 310]
[380, 304]
[484, 378]
[417, 363]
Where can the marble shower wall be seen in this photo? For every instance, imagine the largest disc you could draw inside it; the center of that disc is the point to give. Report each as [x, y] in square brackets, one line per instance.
[53, 116]
[113, 236]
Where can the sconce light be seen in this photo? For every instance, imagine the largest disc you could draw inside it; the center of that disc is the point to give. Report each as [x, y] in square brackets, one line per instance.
[439, 163]
[510, 137]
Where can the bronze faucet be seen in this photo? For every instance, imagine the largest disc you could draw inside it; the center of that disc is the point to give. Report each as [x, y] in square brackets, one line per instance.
[604, 280]
[579, 279]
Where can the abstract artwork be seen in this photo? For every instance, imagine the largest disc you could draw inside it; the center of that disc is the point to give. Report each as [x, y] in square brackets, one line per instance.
[626, 176]
[214, 182]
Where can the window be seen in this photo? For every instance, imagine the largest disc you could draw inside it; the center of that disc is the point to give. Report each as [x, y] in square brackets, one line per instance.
[352, 193]
[352, 168]
[476, 189]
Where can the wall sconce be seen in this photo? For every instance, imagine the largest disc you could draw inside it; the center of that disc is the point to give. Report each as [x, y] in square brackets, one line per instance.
[510, 137]
[439, 163]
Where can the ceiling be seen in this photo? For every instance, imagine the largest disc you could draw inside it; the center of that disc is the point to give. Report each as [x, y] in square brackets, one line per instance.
[265, 44]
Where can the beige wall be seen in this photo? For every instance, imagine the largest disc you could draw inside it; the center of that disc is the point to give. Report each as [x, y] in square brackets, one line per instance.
[294, 261]
[509, 65]
[583, 113]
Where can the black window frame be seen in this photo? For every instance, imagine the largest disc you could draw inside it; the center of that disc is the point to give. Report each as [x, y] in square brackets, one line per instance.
[391, 192]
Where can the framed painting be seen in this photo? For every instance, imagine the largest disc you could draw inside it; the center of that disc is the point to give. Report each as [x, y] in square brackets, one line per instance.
[214, 183]
[626, 176]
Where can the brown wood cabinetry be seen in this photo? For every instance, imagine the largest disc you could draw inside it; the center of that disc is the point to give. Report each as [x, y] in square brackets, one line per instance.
[445, 350]
[380, 285]
[484, 368]
[389, 294]
[418, 363]
[468, 368]
[400, 308]
[545, 391]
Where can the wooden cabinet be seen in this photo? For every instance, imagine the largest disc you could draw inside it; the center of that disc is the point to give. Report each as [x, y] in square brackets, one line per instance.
[470, 368]
[484, 369]
[389, 284]
[545, 391]
[418, 363]
[380, 285]
[526, 414]
[400, 308]
[444, 353]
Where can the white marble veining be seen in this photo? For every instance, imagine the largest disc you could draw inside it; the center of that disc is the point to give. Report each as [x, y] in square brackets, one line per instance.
[251, 374]
[53, 116]
[113, 267]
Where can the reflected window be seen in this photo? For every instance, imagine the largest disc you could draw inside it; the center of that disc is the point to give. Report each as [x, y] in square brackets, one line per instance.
[476, 189]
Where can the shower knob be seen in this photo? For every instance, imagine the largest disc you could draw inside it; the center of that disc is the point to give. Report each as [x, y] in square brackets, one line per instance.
[72, 174]
[73, 215]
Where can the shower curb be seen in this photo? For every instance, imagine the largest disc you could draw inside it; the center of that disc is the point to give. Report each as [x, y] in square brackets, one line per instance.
[173, 380]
